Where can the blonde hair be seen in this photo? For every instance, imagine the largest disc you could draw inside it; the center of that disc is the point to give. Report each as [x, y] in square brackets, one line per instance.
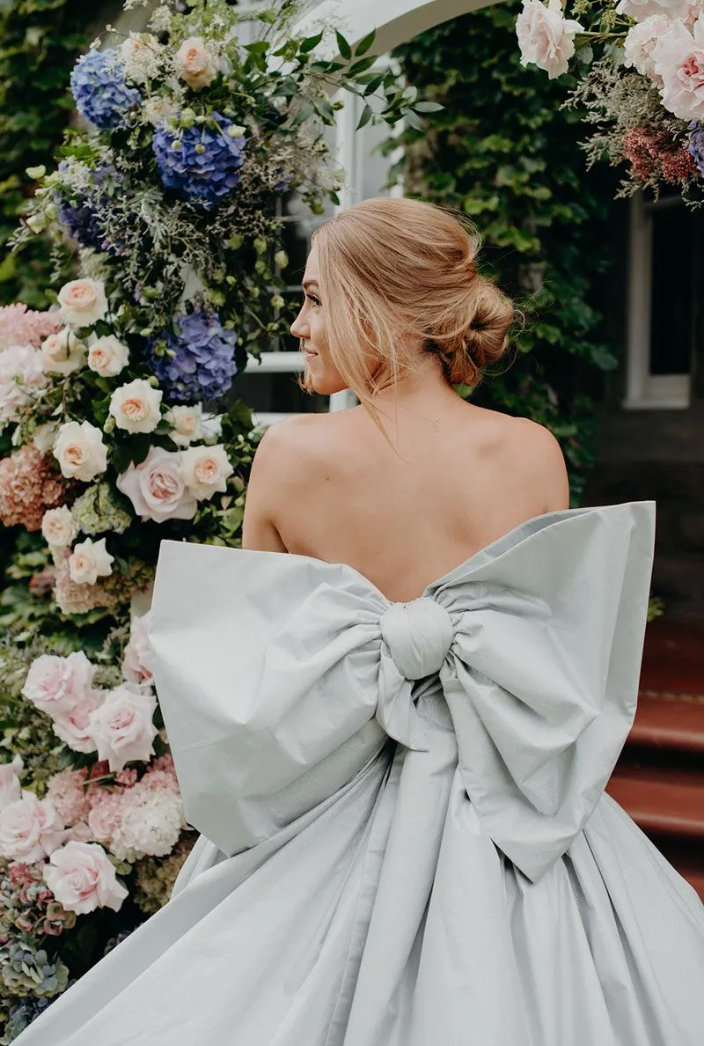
[394, 271]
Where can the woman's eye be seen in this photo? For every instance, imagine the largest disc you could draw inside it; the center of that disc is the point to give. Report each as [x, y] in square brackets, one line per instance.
[312, 297]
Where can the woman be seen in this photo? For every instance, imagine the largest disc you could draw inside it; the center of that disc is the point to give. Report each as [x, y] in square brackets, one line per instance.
[399, 781]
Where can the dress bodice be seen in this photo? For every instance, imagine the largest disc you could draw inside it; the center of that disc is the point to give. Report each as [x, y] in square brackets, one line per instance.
[273, 669]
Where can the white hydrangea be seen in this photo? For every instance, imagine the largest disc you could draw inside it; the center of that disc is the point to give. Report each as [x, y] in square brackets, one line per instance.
[150, 826]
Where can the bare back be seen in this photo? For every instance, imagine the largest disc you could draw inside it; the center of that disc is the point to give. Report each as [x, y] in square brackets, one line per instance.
[337, 491]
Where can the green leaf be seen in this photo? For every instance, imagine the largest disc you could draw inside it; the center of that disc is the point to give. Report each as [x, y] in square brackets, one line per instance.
[366, 43]
[365, 117]
[362, 66]
[310, 43]
[343, 45]
[427, 107]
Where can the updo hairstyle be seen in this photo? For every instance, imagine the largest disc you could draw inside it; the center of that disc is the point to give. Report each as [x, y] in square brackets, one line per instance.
[397, 272]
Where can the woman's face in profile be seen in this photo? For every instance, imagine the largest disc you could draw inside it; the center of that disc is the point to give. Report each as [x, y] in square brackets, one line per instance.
[309, 327]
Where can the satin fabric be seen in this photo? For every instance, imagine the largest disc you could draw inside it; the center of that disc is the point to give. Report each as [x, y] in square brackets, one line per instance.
[405, 834]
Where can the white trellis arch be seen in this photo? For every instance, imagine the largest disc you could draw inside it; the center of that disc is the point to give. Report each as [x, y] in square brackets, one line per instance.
[396, 21]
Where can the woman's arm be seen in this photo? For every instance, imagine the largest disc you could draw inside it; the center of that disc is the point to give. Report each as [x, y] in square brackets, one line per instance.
[259, 531]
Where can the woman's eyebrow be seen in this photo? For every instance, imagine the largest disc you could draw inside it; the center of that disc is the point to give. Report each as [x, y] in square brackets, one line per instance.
[309, 283]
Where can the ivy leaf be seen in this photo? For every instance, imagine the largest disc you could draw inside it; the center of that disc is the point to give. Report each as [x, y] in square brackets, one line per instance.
[343, 45]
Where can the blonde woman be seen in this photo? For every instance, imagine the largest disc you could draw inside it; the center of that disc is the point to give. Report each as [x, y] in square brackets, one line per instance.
[394, 712]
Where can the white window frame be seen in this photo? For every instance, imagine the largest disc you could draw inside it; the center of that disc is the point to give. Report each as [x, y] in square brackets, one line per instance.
[646, 391]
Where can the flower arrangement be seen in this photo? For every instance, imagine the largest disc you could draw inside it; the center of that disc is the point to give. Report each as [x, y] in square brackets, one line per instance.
[89, 807]
[117, 430]
[640, 77]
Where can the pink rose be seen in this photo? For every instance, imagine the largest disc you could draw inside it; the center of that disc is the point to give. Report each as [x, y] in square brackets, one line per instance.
[29, 829]
[122, 727]
[56, 685]
[545, 37]
[156, 487]
[73, 727]
[10, 790]
[136, 657]
[20, 371]
[680, 63]
[82, 878]
[640, 10]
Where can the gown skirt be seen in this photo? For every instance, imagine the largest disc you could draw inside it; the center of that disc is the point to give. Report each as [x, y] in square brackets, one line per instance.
[405, 837]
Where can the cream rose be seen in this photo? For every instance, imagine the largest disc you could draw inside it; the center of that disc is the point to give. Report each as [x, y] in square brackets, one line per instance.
[82, 878]
[30, 829]
[545, 37]
[62, 353]
[195, 63]
[56, 685]
[89, 560]
[108, 356]
[205, 470]
[80, 451]
[58, 527]
[44, 437]
[82, 302]
[187, 424]
[157, 489]
[136, 406]
[122, 726]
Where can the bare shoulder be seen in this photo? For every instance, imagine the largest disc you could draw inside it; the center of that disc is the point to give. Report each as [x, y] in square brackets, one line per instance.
[280, 466]
[533, 454]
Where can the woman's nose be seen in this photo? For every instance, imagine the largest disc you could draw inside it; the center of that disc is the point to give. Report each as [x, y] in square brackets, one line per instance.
[299, 328]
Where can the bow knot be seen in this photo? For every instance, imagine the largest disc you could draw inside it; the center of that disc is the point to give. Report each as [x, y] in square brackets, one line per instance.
[419, 634]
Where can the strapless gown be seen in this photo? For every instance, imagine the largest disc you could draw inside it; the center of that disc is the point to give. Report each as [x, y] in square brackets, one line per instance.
[405, 838]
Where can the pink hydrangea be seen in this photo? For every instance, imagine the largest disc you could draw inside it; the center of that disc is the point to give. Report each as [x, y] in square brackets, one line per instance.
[22, 326]
[72, 598]
[67, 792]
[28, 487]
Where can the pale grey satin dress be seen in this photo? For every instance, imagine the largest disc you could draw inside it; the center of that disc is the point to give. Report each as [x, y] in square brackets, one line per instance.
[406, 838]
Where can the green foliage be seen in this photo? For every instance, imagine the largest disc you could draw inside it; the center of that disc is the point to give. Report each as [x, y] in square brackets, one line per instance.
[39, 42]
[503, 150]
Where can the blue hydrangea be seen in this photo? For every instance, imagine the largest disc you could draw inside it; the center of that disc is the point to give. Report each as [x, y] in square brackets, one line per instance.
[98, 84]
[204, 362]
[84, 219]
[205, 165]
[696, 147]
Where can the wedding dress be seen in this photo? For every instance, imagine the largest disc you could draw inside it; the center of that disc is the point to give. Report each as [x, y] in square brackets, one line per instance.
[405, 835]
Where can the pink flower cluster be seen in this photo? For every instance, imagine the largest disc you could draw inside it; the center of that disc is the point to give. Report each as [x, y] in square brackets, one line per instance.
[22, 326]
[117, 724]
[28, 487]
[143, 819]
[651, 152]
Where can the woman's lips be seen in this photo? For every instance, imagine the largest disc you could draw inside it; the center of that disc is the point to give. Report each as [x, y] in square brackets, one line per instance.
[310, 352]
